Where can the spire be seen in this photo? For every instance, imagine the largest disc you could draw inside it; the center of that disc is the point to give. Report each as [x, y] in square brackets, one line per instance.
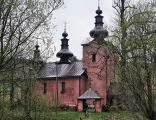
[37, 46]
[98, 31]
[98, 3]
[37, 57]
[64, 54]
[99, 18]
[65, 24]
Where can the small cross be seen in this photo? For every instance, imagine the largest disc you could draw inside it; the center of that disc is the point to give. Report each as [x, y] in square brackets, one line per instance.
[37, 42]
[65, 25]
[98, 3]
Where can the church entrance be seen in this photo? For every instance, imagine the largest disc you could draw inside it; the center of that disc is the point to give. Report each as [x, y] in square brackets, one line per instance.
[92, 99]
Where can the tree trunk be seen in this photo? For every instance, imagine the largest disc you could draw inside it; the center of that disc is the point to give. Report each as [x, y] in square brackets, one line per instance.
[12, 95]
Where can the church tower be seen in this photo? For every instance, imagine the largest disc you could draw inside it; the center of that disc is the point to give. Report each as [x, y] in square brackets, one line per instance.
[96, 60]
[64, 54]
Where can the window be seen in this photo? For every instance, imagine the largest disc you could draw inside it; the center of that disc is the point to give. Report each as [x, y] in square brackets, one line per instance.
[44, 88]
[93, 57]
[63, 87]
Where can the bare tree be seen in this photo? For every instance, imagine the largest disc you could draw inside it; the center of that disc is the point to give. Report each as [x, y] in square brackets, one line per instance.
[20, 20]
[22, 23]
[136, 51]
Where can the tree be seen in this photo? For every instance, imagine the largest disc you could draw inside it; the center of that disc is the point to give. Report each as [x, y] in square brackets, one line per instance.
[22, 23]
[20, 20]
[136, 50]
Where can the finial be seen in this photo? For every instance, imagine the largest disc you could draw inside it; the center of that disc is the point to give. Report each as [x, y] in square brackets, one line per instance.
[37, 42]
[98, 3]
[64, 34]
[65, 25]
[98, 11]
[37, 46]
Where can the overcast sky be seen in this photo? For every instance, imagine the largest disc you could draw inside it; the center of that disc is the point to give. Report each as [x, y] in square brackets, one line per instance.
[79, 15]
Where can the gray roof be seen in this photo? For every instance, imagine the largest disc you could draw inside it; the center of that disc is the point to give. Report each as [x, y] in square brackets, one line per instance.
[63, 70]
[90, 93]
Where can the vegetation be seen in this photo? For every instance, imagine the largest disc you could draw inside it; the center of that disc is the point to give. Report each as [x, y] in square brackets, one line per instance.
[134, 41]
[22, 24]
[92, 116]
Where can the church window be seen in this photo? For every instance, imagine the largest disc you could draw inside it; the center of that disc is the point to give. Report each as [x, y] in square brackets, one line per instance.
[44, 88]
[63, 87]
[93, 57]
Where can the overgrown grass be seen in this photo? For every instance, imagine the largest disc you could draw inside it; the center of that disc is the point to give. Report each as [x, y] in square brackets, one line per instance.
[92, 116]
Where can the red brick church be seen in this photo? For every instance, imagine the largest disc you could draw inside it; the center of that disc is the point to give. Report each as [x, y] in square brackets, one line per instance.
[74, 81]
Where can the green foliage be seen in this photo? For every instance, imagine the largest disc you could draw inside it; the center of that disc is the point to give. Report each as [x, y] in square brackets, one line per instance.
[134, 37]
[105, 108]
[40, 109]
[22, 23]
[64, 107]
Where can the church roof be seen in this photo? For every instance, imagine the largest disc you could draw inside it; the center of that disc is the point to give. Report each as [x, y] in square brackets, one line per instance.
[90, 93]
[63, 70]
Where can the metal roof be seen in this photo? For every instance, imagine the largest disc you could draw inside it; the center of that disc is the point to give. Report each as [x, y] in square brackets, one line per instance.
[90, 93]
[63, 70]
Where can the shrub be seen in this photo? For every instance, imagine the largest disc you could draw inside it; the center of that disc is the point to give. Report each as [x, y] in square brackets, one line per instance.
[72, 108]
[114, 108]
[64, 107]
[105, 108]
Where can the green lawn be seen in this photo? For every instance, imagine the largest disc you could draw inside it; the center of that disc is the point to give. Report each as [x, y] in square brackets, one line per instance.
[92, 116]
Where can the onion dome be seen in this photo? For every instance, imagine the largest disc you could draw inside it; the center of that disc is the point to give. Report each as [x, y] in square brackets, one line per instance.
[98, 31]
[98, 11]
[64, 54]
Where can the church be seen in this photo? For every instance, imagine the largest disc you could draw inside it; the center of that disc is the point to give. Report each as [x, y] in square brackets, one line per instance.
[71, 81]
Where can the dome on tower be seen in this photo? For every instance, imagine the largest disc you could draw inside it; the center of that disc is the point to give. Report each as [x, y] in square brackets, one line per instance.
[99, 32]
[98, 11]
[64, 54]
[64, 34]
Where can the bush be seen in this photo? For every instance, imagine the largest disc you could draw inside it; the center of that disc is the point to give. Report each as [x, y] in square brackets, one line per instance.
[72, 108]
[63, 107]
[121, 107]
[114, 108]
[105, 108]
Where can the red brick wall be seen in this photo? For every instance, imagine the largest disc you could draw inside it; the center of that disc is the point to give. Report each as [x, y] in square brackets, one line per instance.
[97, 70]
[83, 85]
[71, 93]
[98, 106]
[80, 106]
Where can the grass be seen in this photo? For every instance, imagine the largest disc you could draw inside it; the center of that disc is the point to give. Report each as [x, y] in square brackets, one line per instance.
[92, 116]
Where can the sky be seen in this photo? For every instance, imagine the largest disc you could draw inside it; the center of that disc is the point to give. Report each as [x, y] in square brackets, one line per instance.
[79, 16]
